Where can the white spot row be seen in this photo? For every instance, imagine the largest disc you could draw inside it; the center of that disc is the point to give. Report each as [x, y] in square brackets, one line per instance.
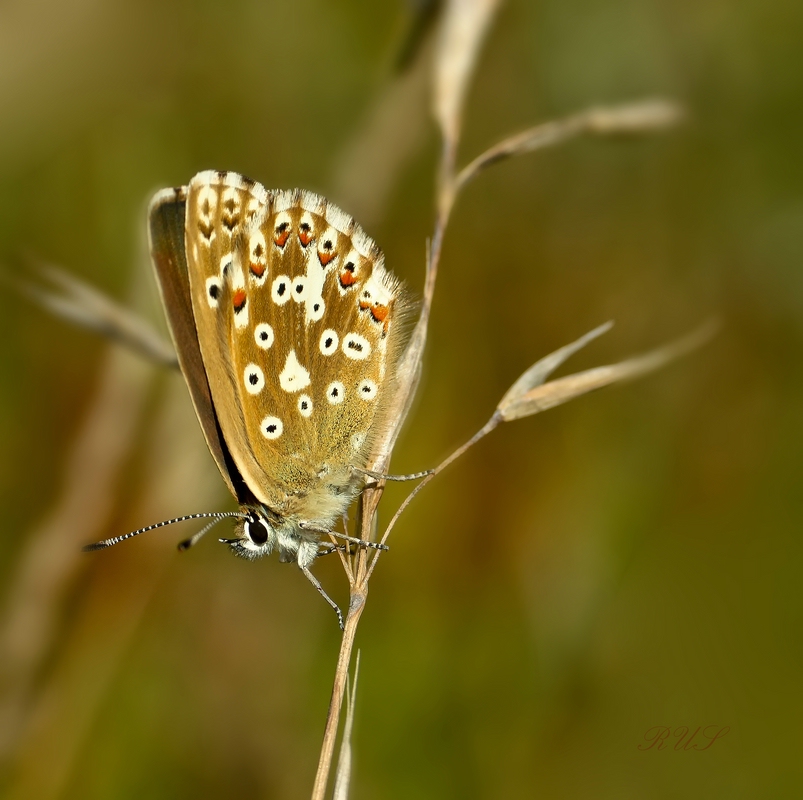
[336, 391]
[272, 427]
[355, 346]
[292, 381]
[283, 288]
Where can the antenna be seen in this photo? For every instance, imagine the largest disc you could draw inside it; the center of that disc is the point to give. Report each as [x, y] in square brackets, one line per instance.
[217, 515]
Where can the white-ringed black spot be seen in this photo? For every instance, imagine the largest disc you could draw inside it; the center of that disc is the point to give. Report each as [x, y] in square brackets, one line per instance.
[263, 335]
[213, 289]
[329, 342]
[335, 393]
[367, 389]
[305, 405]
[271, 427]
[253, 379]
[280, 291]
[315, 309]
[299, 289]
[356, 347]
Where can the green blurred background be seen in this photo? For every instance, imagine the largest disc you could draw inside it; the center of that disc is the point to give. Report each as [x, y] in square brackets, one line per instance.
[627, 561]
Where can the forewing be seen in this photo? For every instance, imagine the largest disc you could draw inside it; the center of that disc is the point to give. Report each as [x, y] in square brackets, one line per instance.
[166, 235]
[298, 323]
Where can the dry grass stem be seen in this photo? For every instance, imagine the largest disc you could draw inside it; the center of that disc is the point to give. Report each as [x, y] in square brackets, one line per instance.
[643, 117]
[63, 710]
[343, 774]
[543, 368]
[86, 307]
[529, 394]
[52, 559]
[464, 26]
[557, 392]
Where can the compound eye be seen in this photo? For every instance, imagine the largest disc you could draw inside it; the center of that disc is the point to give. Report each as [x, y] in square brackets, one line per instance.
[256, 531]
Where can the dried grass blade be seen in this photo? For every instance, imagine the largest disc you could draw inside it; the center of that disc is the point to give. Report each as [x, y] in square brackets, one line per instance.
[562, 390]
[344, 759]
[647, 116]
[542, 369]
[85, 306]
[464, 25]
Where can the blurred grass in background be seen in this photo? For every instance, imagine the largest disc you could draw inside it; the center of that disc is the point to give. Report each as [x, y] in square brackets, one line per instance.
[627, 561]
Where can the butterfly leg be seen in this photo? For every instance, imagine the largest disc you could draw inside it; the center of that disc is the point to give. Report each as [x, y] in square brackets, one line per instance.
[317, 584]
[328, 548]
[379, 476]
[361, 542]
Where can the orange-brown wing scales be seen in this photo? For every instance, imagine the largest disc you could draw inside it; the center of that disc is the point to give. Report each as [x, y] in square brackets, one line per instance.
[296, 318]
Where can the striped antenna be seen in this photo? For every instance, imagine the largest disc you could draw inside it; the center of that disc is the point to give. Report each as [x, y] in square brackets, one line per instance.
[217, 515]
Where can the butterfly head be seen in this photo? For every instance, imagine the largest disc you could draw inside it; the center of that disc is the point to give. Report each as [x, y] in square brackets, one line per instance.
[254, 535]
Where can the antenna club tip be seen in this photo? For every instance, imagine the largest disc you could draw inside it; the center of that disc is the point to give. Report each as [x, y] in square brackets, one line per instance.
[91, 548]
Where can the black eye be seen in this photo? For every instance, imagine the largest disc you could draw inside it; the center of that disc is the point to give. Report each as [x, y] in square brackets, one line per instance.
[256, 531]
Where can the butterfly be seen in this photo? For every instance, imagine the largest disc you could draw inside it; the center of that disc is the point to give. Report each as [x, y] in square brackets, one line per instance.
[288, 330]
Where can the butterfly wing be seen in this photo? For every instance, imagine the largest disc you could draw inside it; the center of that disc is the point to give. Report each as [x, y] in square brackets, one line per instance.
[298, 327]
[166, 217]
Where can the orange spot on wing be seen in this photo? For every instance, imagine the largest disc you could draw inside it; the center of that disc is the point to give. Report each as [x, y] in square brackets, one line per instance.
[380, 313]
[257, 269]
[325, 256]
[347, 279]
[304, 233]
[238, 299]
[282, 234]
